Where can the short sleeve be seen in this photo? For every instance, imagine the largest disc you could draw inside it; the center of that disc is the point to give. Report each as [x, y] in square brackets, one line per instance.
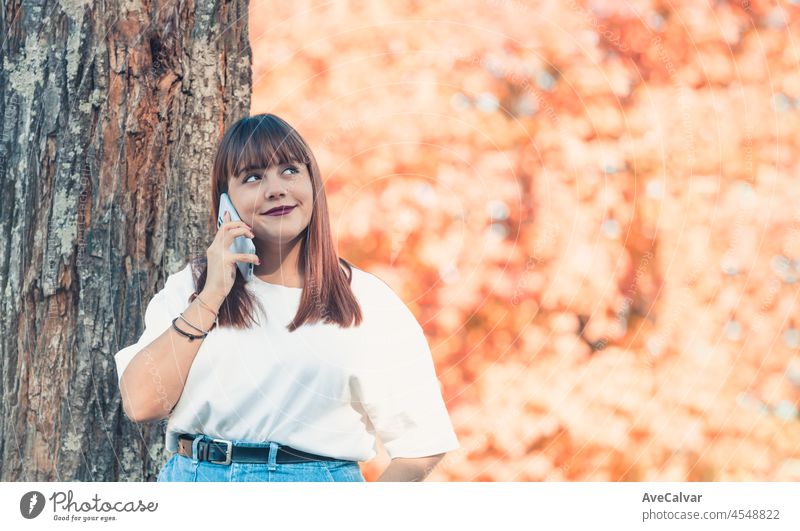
[398, 387]
[161, 310]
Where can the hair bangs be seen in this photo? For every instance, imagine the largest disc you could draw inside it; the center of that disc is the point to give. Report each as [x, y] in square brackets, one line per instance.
[264, 142]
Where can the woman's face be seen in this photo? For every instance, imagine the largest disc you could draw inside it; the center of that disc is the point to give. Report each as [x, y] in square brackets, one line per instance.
[256, 190]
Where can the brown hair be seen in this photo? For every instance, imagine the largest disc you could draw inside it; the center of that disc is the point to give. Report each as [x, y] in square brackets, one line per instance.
[263, 140]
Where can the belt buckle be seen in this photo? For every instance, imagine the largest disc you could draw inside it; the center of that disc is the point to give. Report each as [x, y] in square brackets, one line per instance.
[228, 451]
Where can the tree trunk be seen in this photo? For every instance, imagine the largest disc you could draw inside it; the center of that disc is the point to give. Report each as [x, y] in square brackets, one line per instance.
[111, 113]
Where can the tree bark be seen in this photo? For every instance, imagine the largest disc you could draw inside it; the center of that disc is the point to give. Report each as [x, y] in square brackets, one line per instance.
[111, 113]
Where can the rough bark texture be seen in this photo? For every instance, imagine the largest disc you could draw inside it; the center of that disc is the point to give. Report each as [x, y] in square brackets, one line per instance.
[111, 112]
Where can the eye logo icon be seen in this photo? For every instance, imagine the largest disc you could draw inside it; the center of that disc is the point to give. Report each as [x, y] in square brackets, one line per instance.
[31, 504]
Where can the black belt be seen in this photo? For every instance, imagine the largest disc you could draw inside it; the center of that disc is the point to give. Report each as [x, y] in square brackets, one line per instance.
[222, 452]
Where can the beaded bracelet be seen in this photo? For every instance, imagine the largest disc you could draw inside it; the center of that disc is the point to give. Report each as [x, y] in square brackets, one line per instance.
[186, 334]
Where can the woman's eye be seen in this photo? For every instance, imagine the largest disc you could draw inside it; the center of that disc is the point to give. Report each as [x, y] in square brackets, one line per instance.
[294, 170]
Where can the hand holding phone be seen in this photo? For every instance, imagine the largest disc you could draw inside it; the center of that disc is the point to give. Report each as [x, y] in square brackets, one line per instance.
[241, 244]
[232, 245]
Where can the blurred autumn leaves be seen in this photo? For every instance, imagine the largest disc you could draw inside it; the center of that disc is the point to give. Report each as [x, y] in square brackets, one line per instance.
[591, 207]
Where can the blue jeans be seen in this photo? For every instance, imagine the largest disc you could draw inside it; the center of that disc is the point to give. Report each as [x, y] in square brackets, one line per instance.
[182, 468]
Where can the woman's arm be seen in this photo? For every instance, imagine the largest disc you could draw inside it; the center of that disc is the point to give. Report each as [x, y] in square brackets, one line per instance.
[410, 469]
[153, 381]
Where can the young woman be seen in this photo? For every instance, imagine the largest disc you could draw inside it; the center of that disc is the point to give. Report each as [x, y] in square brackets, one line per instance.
[288, 376]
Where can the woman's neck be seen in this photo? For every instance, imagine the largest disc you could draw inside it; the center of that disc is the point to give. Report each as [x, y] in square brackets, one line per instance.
[279, 263]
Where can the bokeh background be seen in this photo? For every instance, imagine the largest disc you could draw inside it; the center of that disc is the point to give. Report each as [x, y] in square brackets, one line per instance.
[592, 208]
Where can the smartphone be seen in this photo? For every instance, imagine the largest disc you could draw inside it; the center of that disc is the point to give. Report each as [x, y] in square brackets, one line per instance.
[241, 244]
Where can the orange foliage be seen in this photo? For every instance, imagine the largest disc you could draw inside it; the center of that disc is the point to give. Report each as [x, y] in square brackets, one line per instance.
[588, 205]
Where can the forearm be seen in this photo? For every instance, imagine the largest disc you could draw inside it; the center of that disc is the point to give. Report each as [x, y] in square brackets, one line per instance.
[154, 379]
[410, 469]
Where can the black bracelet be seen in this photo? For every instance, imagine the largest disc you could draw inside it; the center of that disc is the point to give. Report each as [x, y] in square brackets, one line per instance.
[184, 334]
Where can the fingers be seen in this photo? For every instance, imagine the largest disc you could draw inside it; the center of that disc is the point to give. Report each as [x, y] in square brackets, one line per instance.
[226, 221]
[231, 229]
[227, 225]
[238, 230]
[234, 232]
[246, 257]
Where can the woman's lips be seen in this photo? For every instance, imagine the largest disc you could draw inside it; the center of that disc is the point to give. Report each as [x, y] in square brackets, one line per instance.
[280, 212]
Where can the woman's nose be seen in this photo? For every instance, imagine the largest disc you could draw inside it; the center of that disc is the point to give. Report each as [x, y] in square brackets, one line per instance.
[275, 188]
[272, 194]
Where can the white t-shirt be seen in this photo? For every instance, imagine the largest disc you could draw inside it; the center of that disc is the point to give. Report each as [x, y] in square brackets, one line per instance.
[320, 389]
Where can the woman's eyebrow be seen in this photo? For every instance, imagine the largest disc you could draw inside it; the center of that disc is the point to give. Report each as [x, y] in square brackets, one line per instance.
[248, 168]
[253, 168]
